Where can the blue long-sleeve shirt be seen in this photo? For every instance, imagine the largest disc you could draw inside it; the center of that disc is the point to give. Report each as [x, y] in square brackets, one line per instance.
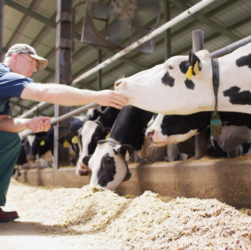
[11, 85]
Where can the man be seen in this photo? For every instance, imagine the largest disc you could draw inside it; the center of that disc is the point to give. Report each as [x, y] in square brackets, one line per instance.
[21, 61]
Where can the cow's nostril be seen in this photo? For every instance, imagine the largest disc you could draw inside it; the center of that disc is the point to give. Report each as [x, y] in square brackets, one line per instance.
[83, 172]
[116, 84]
[150, 134]
[31, 158]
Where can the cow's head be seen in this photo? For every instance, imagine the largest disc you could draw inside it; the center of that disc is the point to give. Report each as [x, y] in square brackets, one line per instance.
[167, 129]
[176, 86]
[70, 140]
[31, 148]
[109, 164]
[88, 137]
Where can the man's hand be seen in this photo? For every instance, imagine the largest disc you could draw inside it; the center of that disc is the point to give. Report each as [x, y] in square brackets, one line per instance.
[39, 124]
[111, 98]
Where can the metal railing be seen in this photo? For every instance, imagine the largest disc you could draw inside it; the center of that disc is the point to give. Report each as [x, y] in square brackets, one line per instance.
[54, 121]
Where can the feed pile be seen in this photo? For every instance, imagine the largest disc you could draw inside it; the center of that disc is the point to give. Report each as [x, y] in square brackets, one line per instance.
[106, 220]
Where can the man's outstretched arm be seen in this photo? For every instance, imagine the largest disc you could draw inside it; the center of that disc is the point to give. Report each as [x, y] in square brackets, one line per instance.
[70, 96]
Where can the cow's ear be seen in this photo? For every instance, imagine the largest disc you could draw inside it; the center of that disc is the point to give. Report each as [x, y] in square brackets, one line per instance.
[63, 141]
[86, 159]
[126, 151]
[72, 137]
[194, 65]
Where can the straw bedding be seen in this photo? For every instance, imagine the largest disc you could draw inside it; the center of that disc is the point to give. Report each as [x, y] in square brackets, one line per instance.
[106, 220]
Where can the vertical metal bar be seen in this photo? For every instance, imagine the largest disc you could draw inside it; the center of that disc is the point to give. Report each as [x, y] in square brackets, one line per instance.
[1, 28]
[198, 40]
[100, 71]
[200, 139]
[167, 33]
[63, 76]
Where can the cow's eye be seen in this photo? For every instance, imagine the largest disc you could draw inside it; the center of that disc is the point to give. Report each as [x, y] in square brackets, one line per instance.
[170, 67]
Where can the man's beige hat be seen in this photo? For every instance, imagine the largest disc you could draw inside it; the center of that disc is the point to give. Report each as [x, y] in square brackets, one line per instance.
[22, 48]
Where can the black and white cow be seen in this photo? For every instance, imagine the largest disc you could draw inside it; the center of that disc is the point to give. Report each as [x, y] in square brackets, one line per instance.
[168, 129]
[183, 84]
[21, 160]
[40, 146]
[91, 132]
[233, 141]
[71, 138]
[109, 161]
[93, 113]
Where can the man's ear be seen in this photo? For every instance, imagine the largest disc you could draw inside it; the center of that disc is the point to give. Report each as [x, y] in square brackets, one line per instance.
[194, 65]
[14, 56]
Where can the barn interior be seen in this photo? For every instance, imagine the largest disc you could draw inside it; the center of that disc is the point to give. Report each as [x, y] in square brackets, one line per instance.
[58, 30]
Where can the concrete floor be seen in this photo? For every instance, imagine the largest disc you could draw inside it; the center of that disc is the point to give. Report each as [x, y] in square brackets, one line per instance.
[228, 181]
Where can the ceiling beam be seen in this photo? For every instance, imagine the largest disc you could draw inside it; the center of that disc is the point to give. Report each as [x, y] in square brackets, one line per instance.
[28, 12]
[215, 35]
[19, 27]
[215, 26]
[43, 32]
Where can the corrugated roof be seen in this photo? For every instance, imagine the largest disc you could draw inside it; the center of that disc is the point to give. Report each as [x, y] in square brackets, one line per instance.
[33, 22]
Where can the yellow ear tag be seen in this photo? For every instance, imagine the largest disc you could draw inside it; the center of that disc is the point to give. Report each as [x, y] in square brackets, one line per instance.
[42, 143]
[16, 167]
[66, 144]
[107, 136]
[189, 73]
[196, 68]
[74, 139]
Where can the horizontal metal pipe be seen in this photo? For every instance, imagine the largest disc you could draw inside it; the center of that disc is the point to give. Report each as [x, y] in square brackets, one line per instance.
[33, 110]
[231, 47]
[53, 120]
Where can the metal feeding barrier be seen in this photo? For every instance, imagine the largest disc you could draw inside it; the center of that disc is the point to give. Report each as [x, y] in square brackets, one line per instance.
[54, 121]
